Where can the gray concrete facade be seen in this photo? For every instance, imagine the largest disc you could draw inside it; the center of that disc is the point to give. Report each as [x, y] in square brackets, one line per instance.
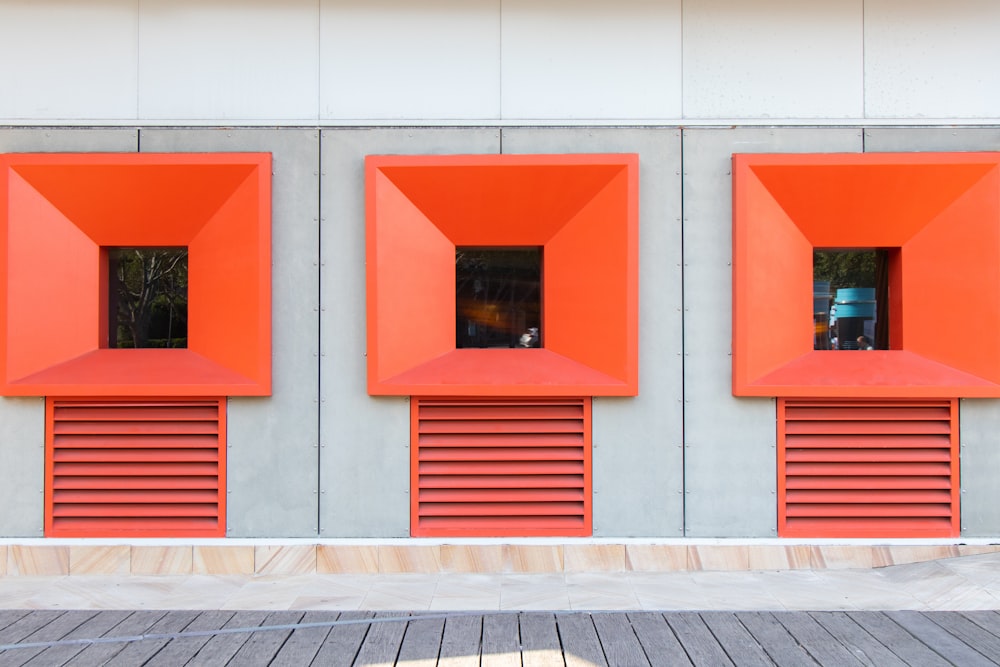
[321, 458]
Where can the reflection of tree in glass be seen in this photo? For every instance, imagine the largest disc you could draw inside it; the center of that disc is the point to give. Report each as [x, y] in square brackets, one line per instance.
[152, 296]
[845, 269]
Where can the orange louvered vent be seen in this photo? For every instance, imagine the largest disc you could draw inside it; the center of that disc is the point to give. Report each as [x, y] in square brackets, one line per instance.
[143, 468]
[880, 468]
[501, 467]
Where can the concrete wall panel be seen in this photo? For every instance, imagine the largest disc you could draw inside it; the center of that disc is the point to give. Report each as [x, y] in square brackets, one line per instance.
[365, 462]
[68, 60]
[274, 441]
[931, 59]
[393, 59]
[22, 420]
[980, 467]
[637, 455]
[773, 59]
[251, 60]
[730, 442]
[22, 467]
[901, 139]
[591, 59]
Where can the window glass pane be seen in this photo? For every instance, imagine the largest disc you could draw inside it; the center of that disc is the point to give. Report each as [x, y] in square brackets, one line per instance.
[850, 299]
[498, 297]
[147, 297]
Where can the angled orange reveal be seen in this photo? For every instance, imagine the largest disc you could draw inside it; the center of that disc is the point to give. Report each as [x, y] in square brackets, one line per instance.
[56, 213]
[583, 211]
[942, 212]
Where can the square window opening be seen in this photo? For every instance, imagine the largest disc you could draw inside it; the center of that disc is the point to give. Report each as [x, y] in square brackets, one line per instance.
[854, 303]
[146, 297]
[498, 297]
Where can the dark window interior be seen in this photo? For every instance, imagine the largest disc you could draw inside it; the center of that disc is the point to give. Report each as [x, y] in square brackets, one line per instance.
[498, 297]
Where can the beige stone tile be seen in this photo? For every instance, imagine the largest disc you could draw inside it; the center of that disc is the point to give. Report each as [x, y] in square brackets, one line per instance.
[285, 559]
[841, 556]
[901, 554]
[37, 561]
[3, 560]
[346, 559]
[540, 559]
[656, 558]
[223, 560]
[594, 557]
[719, 557]
[977, 549]
[479, 559]
[162, 560]
[777, 557]
[409, 559]
[115, 559]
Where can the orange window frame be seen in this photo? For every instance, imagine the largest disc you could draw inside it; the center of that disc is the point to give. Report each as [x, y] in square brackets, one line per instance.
[57, 212]
[940, 210]
[581, 209]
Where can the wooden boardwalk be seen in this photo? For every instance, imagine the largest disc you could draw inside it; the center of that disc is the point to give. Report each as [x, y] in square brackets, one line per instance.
[528, 639]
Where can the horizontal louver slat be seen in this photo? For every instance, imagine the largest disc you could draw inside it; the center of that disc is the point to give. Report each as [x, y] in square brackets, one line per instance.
[885, 441]
[141, 467]
[177, 495]
[856, 468]
[501, 467]
[869, 482]
[494, 453]
[876, 495]
[505, 481]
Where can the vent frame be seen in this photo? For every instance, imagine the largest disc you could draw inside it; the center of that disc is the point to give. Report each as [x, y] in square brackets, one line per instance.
[185, 438]
[532, 458]
[910, 473]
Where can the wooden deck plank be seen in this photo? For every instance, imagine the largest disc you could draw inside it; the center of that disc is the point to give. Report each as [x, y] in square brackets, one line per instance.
[343, 642]
[501, 641]
[974, 635]
[939, 639]
[262, 646]
[95, 626]
[461, 643]
[856, 639]
[815, 639]
[137, 653]
[59, 627]
[736, 640]
[381, 645]
[987, 620]
[618, 639]
[908, 648]
[779, 645]
[422, 642]
[221, 648]
[136, 623]
[658, 639]
[26, 625]
[10, 616]
[540, 646]
[701, 646]
[581, 646]
[181, 650]
[304, 643]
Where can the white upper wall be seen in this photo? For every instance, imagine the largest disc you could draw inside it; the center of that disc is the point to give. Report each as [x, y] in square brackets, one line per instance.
[509, 61]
